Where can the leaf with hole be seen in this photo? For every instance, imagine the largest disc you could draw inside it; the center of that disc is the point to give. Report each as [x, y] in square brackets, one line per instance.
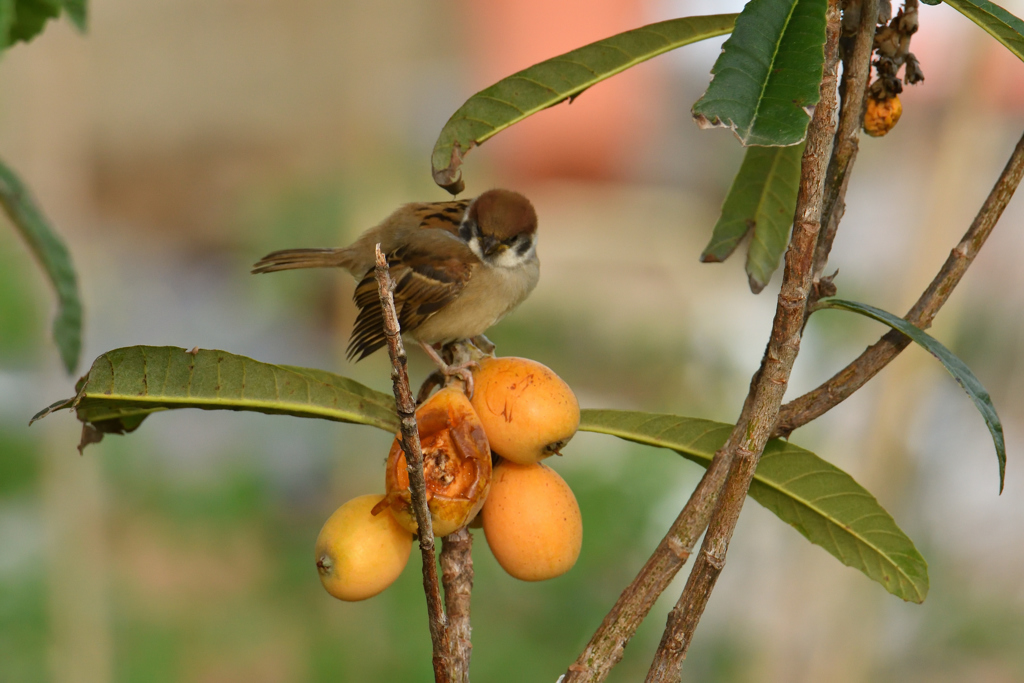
[126, 385]
[761, 201]
[768, 73]
[55, 259]
[818, 499]
[956, 367]
[556, 80]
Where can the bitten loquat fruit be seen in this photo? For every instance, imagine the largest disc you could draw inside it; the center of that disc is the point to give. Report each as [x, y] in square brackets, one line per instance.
[532, 521]
[456, 465]
[359, 554]
[526, 409]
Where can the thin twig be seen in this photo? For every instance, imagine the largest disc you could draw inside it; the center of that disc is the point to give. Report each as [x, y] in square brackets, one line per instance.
[844, 383]
[414, 460]
[608, 643]
[457, 576]
[783, 346]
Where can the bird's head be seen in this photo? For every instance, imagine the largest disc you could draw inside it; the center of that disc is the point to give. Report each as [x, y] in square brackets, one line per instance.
[500, 227]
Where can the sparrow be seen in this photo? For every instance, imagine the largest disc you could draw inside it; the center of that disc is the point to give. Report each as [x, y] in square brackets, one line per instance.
[459, 267]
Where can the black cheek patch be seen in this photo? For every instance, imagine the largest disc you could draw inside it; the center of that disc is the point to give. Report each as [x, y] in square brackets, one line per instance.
[468, 229]
[523, 247]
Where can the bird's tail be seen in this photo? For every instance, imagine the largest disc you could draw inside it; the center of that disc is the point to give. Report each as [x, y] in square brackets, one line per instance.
[289, 259]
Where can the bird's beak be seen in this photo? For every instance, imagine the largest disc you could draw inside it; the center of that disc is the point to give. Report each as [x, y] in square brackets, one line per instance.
[491, 246]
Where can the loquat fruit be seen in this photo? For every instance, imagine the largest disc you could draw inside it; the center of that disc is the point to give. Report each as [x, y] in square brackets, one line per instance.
[359, 554]
[528, 412]
[532, 521]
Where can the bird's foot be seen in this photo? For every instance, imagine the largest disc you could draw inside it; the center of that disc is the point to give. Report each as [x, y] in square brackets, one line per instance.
[483, 344]
[433, 380]
[461, 369]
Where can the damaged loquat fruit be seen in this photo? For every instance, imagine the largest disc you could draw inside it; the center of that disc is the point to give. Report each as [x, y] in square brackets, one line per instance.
[456, 465]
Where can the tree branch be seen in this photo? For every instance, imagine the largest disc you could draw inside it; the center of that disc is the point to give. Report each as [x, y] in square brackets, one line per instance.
[773, 377]
[853, 90]
[457, 576]
[608, 643]
[844, 383]
[414, 459]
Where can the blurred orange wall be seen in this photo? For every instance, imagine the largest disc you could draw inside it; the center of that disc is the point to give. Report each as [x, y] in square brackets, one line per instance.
[593, 137]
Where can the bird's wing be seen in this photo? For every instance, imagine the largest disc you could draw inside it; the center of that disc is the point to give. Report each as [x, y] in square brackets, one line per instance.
[400, 227]
[429, 270]
[445, 216]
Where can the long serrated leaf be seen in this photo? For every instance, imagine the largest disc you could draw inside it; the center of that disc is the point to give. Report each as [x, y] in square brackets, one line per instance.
[818, 499]
[125, 385]
[555, 80]
[1000, 24]
[768, 73]
[49, 249]
[956, 367]
[762, 199]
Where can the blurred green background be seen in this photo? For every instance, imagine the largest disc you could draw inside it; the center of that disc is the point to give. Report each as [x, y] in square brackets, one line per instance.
[180, 140]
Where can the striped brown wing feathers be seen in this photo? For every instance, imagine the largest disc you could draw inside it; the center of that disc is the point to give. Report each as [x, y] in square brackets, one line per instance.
[429, 272]
[442, 215]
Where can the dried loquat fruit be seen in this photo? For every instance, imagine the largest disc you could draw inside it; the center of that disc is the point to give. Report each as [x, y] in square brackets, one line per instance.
[881, 115]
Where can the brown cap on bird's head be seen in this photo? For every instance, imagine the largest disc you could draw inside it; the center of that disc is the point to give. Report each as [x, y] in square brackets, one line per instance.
[503, 214]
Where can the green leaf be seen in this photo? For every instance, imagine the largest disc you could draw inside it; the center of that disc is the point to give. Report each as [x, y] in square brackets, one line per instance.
[555, 80]
[49, 249]
[1000, 24]
[125, 385]
[24, 19]
[29, 18]
[7, 19]
[76, 12]
[768, 72]
[762, 199]
[956, 367]
[818, 499]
